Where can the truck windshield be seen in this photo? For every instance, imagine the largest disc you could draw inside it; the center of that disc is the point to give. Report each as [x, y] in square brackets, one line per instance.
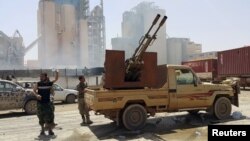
[184, 76]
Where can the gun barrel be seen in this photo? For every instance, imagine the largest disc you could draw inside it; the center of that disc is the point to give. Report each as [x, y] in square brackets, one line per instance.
[143, 49]
[147, 34]
[160, 25]
[163, 20]
[156, 19]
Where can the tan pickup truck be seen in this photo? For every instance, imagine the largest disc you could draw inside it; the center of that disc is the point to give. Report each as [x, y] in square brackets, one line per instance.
[181, 91]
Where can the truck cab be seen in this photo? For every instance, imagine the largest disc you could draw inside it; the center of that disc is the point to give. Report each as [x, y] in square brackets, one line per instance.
[189, 92]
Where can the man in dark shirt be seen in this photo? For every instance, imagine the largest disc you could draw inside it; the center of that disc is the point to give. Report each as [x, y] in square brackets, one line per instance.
[44, 106]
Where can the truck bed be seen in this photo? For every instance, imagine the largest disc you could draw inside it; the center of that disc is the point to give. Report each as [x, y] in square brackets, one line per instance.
[104, 99]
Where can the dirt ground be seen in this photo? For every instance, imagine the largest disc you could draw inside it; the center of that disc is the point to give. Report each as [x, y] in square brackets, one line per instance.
[16, 126]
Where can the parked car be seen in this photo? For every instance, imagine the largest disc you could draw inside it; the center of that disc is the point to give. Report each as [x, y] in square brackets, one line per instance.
[13, 96]
[61, 94]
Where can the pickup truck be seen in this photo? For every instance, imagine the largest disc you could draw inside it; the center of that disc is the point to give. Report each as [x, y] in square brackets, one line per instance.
[13, 96]
[181, 90]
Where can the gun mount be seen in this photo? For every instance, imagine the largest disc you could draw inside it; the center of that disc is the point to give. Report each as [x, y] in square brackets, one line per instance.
[134, 64]
[140, 70]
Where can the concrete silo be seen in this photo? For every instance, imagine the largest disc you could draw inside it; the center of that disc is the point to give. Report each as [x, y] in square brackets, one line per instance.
[71, 36]
[84, 50]
[48, 44]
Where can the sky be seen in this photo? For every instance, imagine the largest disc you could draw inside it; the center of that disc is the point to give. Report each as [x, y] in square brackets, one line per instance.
[216, 24]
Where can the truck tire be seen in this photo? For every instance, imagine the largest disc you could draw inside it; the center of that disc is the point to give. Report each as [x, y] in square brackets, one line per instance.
[134, 117]
[70, 98]
[222, 108]
[30, 107]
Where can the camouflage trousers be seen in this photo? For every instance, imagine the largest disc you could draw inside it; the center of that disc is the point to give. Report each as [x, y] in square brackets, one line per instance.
[83, 109]
[45, 113]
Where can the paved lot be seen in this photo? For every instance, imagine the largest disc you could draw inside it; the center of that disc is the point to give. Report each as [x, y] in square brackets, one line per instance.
[16, 126]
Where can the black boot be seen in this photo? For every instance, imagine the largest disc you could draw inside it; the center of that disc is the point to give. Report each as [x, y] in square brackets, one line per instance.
[88, 120]
[42, 133]
[51, 133]
[83, 121]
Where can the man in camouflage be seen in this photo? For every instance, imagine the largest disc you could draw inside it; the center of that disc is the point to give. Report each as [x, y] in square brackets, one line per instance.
[45, 109]
[83, 108]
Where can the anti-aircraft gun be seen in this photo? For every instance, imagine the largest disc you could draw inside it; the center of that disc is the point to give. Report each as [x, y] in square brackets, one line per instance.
[134, 64]
[140, 70]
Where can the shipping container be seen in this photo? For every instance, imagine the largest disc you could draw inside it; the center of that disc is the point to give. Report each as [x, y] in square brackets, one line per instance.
[234, 63]
[205, 69]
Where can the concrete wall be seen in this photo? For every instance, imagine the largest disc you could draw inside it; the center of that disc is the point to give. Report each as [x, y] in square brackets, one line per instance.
[68, 78]
[69, 82]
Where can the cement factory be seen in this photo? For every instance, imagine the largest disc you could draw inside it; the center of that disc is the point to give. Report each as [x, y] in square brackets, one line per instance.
[70, 35]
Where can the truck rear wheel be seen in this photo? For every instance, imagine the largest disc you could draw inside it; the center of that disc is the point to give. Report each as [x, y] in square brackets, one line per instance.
[222, 108]
[134, 117]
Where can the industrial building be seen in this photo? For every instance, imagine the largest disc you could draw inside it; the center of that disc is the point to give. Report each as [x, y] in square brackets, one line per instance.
[97, 37]
[12, 50]
[135, 24]
[179, 49]
[71, 34]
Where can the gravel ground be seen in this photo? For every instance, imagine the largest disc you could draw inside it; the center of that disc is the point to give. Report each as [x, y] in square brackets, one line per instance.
[16, 126]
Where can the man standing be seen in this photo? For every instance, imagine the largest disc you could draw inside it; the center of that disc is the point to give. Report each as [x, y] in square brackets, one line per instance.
[44, 106]
[83, 109]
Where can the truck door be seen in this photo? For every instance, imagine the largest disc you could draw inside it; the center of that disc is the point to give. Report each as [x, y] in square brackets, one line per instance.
[189, 93]
[172, 90]
[10, 98]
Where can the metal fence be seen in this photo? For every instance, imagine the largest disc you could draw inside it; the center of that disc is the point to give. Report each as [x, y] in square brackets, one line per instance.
[62, 72]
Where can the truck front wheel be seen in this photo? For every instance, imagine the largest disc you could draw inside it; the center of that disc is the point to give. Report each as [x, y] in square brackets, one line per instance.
[134, 117]
[30, 107]
[222, 108]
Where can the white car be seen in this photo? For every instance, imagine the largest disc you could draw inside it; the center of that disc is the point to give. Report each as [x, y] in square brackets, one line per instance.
[65, 95]
[61, 94]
